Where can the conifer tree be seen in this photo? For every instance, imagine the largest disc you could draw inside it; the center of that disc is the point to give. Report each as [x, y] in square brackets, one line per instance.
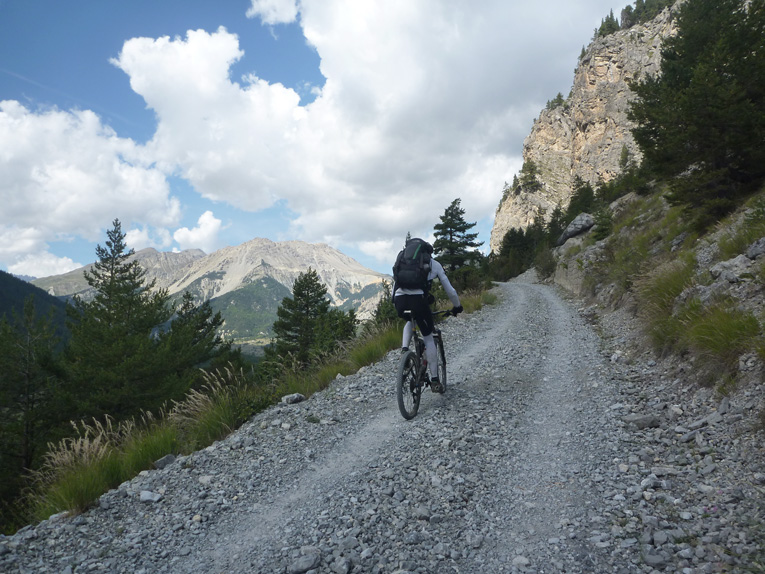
[701, 122]
[112, 357]
[454, 247]
[295, 328]
[29, 409]
[192, 339]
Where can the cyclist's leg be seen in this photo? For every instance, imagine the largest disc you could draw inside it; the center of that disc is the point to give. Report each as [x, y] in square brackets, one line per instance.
[431, 355]
[407, 336]
[425, 322]
[403, 304]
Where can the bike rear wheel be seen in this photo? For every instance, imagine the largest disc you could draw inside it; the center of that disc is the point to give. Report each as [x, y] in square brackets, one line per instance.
[408, 385]
[441, 357]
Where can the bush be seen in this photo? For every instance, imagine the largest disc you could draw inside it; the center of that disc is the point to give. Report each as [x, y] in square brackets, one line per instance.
[545, 263]
[657, 294]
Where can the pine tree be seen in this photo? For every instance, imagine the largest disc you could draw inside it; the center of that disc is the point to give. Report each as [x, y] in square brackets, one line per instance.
[192, 339]
[608, 25]
[701, 122]
[385, 311]
[582, 200]
[29, 379]
[333, 328]
[295, 328]
[529, 173]
[454, 247]
[112, 356]
[556, 226]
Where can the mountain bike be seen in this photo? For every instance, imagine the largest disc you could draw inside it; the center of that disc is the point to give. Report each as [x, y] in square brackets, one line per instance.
[413, 374]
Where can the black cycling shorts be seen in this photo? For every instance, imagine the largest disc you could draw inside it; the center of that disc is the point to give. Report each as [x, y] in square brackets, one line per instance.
[419, 307]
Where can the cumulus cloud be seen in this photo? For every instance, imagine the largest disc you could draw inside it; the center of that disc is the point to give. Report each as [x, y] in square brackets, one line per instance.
[142, 237]
[42, 264]
[204, 236]
[273, 11]
[67, 175]
[423, 102]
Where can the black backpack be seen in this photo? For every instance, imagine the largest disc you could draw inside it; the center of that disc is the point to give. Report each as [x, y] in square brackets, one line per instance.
[413, 265]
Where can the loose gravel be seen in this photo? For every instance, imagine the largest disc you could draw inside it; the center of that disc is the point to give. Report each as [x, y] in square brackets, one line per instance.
[550, 452]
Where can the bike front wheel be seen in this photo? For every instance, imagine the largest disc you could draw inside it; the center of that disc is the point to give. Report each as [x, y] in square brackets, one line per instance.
[408, 385]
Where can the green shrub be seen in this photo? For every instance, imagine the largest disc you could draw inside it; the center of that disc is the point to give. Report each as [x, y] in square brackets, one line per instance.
[721, 334]
[751, 229]
[657, 293]
[544, 263]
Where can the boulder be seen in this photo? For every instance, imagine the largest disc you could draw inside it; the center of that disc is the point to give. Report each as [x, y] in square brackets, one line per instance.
[582, 222]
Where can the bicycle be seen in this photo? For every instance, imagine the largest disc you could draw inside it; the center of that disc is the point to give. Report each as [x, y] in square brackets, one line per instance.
[413, 374]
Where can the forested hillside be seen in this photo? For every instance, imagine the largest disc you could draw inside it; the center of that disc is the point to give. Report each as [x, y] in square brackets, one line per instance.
[16, 291]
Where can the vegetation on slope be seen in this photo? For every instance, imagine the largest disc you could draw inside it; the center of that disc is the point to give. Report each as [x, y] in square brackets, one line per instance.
[696, 199]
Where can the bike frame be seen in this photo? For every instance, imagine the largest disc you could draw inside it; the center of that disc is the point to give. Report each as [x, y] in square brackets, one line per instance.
[413, 374]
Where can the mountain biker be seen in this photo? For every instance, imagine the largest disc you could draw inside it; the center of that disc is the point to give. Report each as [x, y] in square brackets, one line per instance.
[417, 300]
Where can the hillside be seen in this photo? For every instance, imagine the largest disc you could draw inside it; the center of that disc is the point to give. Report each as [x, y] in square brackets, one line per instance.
[16, 291]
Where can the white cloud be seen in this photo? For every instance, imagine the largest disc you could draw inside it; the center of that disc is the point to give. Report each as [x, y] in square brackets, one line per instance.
[204, 236]
[66, 175]
[273, 11]
[424, 102]
[42, 264]
[141, 238]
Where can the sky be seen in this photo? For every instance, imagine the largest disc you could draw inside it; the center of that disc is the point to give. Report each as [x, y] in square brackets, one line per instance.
[201, 125]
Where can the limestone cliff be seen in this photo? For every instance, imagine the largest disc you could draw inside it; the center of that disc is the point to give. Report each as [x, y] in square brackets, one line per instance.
[586, 135]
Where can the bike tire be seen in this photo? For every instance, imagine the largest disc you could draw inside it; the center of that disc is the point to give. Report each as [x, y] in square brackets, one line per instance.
[408, 385]
[441, 357]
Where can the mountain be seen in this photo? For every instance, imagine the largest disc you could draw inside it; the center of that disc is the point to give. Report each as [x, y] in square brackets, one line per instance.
[15, 292]
[247, 282]
[588, 135]
[162, 266]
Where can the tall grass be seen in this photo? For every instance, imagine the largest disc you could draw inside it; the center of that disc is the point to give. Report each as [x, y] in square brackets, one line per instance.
[225, 401]
[473, 301]
[715, 333]
[100, 456]
[721, 334]
[751, 229]
[657, 293]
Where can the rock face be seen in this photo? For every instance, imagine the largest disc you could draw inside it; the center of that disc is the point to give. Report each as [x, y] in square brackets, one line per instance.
[585, 136]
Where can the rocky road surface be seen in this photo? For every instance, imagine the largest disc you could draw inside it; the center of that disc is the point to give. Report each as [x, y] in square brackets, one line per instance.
[550, 452]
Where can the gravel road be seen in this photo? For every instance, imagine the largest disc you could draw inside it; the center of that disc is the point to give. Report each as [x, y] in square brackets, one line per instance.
[548, 453]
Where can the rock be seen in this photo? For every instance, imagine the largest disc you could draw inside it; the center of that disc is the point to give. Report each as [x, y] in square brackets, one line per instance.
[293, 398]
[309, 560]
[731, 270]
[756, 249]
[585, 137]
[642, 421]
[581, 223]
[164, 461]
[148, 496]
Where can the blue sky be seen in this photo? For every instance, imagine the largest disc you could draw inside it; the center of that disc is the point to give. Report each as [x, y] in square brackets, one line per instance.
[204, 124]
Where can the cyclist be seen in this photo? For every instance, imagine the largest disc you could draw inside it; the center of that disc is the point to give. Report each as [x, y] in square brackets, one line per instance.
[417, 299]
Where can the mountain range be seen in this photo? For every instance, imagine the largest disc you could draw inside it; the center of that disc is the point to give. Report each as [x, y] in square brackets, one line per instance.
[247, 282]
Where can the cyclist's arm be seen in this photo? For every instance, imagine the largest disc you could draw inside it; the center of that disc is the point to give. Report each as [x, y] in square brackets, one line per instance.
[451, 292]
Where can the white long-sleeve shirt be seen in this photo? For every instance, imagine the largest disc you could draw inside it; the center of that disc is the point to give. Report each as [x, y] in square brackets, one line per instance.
[436, 270]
